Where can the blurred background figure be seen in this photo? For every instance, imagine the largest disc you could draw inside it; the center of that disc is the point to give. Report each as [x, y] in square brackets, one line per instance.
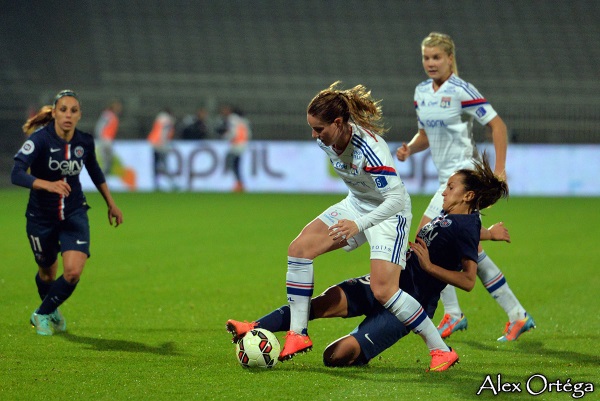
[235, 129]
[194, 126]
[160, 138]
[105, 133]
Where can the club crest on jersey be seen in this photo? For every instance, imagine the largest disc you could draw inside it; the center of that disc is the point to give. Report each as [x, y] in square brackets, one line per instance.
[79, 151]
[28, 147]
[445, 103]
[444, 222]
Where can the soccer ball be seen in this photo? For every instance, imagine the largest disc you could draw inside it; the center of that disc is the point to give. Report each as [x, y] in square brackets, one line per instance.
[259, 348]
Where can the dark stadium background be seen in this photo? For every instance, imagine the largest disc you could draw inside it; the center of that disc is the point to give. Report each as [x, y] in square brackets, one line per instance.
[536, 61]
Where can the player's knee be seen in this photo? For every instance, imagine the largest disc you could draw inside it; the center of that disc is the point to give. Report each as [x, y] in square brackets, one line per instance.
[299, 250]
[72, 278]
[332, 359]
[72, 274]
[340, 353]
[383, 291]
[47, 264]
[382, 295]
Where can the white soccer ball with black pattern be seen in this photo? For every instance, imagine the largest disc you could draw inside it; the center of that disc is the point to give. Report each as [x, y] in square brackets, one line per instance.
[259, 348]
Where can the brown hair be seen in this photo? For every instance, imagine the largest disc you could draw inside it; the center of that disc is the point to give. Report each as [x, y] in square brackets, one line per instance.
[354, 104]
[444, 42]
[44, 114]
[41, 118]
[487, 186]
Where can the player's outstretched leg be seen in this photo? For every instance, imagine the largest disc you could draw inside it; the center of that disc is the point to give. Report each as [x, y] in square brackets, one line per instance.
[442, 360]
[295, 344]
[514, 329]
[450, 324]
[494, 281]
[239, 329]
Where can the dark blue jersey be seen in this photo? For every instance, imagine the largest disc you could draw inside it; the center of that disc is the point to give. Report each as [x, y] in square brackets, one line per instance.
[51, 158]
[449, 239]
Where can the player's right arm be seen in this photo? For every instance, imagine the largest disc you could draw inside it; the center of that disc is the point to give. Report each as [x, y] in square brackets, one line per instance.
[21, 177]
[419, 143]
[464, 279]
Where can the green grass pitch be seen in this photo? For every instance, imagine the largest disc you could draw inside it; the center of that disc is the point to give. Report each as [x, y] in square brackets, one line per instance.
[147, 321]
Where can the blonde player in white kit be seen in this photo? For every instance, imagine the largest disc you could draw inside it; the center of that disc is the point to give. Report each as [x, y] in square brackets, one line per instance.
[347, 125]
[446, 107]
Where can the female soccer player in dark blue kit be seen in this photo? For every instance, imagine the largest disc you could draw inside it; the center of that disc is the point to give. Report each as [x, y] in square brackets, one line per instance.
[445, 252]
[56, 214]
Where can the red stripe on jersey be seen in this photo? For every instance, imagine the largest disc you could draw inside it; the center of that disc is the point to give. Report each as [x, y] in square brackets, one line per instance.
[372, 135]
[474, 102]
[380, 170]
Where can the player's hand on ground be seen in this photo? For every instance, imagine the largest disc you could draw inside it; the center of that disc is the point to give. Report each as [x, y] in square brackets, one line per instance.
[419, 248]
[343, 230]
[499, 233]
[115, 216]
[402, 152]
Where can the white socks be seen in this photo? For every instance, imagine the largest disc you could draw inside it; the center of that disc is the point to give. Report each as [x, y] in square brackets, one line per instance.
[450, 301]
[494, 281]
[300, 285]
[412, 315]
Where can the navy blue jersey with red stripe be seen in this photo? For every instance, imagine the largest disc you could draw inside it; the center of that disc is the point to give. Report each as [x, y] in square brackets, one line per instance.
[51, 158]
[449, 239]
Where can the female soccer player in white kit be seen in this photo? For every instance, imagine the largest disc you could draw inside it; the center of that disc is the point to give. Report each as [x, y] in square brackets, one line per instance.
[446, 107]
[347, 125]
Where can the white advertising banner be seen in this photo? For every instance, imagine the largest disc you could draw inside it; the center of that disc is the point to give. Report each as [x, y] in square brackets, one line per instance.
[299, 166]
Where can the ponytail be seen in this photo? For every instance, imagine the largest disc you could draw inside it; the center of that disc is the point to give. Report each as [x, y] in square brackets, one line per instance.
[355, 104]
[487, 186]
[40, 119]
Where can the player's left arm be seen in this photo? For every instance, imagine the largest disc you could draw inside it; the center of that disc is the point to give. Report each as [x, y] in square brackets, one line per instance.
[500, 139]
[496, 232]
[465, 279]
[114, 213]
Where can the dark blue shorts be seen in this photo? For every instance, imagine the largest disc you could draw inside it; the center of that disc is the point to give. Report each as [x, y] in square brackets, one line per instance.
[47, 239]
[380, 329]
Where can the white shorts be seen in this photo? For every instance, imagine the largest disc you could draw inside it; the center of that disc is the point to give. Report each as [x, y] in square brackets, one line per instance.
[435, 206]
[388, 239]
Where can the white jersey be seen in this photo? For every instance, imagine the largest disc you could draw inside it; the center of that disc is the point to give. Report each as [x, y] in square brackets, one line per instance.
[447, 118]
[367, 168]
